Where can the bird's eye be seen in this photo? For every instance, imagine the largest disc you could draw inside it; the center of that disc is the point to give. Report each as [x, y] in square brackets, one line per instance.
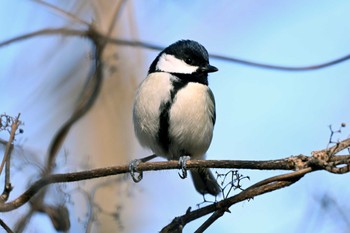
[188, 60]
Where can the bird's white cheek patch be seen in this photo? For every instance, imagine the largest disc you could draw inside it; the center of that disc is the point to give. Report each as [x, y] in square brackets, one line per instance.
[171, 64]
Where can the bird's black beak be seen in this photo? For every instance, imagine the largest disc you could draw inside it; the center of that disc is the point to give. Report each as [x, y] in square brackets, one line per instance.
[207, 69]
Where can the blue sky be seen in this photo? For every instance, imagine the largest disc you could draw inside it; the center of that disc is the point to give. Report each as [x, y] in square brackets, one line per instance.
[261, 114]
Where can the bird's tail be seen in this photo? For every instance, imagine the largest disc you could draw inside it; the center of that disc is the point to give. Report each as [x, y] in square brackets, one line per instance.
[205, 182]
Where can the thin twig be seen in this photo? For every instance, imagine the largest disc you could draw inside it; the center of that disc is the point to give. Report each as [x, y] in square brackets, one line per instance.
[14, 127]
[23, 221]
[338, 147]
[215, 216]
[6, 160]
[6, 228]
[282, 68]
[236, 60]
[62, 12]
[46, 32]
[117, 12]
[7, 186]
[327, 154]
[146, 45]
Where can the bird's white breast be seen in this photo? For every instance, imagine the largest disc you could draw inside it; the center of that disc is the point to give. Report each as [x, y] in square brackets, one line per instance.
[154, 90]
[190, 116]
[191, 120]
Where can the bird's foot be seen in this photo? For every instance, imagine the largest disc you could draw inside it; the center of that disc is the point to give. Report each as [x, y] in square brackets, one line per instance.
[136, 175]
[182, 163]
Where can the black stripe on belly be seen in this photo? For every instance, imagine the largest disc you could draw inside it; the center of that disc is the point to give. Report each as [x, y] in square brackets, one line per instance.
[163, 131]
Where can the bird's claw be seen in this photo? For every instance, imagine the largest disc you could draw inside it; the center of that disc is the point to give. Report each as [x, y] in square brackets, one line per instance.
[182, 163]
[135, 174]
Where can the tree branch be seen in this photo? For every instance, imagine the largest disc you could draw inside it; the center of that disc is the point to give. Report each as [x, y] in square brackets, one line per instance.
[279, 164]
[219, 208]
[323, 159]
[142, 44]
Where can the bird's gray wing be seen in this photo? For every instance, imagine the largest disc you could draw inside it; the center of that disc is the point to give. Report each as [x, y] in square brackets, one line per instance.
[212, 108]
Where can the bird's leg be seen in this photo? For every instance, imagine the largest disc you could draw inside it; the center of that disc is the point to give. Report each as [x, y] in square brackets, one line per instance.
[182, 162]
[133, 167]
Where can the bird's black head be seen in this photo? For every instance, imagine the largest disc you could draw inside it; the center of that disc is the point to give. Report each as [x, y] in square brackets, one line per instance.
[184, 58]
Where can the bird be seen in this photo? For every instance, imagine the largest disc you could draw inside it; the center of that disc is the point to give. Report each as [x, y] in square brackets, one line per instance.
[174, 108]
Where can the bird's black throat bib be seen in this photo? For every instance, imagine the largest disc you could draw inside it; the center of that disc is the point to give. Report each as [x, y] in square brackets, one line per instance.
[197, 77]
[163, 131]
[164, 121]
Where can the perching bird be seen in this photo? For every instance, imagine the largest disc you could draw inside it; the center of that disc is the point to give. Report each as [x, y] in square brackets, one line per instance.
[174, 109]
